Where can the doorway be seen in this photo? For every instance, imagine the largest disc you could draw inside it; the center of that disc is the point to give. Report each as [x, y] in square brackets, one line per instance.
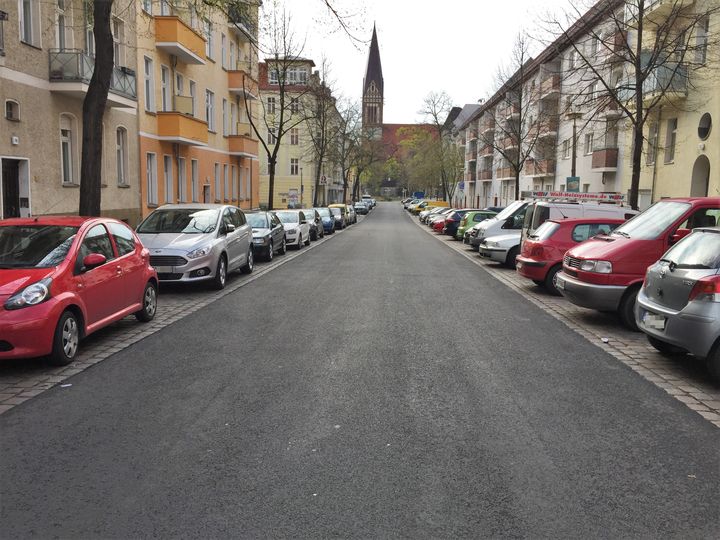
[700, 177]
[15, 190]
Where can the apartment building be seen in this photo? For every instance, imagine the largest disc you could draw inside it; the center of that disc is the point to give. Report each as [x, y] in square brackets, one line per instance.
[198, 70]
[296, 165]
[46, 62]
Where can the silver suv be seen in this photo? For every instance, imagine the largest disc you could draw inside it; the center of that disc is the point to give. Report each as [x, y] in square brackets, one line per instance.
[678, 306]
[197, 242]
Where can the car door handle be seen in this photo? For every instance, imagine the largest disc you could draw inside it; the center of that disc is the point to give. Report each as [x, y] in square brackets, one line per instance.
[118, 270]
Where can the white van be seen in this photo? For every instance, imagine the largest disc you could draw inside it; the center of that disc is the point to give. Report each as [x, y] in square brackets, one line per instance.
[511, 218]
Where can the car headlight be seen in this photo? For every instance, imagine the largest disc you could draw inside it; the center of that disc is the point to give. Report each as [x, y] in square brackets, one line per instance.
[30, 295]
[291, 231]
[200, 252]
[492, 244]
[600, 267]
[260, 240]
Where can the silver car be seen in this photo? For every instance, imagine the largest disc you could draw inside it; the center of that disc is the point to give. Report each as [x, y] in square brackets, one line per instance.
[268, 234]
[197, 242]
[678, 306]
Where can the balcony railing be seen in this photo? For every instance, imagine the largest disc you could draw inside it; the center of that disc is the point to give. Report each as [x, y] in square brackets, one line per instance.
[669, 80]
[661, 9]
[471, 149]
[505, 172]
[242, 83]
[485, 174]
[550, 87]
[605, 158]
[486, 150]
[74, 65]
[540, 167]
[240, 21]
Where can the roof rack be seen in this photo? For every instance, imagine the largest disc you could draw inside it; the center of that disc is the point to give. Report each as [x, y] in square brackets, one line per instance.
[574, 196]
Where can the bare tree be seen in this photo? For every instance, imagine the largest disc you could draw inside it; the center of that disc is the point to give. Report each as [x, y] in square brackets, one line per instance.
[634, 56]
[436, 107]
[514, 118]
[348, 141]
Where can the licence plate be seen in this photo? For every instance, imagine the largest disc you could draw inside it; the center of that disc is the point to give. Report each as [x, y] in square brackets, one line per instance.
[519, 266]
[559, 283]
[651, 320]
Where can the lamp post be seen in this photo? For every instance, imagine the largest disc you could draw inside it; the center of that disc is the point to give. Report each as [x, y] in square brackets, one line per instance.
[302, 188]
[573, 115]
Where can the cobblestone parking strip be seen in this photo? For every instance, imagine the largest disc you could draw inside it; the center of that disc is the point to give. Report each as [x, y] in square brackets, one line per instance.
[683, 377]
[21, 380]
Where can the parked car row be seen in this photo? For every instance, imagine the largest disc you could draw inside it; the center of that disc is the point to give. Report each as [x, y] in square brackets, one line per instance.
[63, 278]
[659, 270]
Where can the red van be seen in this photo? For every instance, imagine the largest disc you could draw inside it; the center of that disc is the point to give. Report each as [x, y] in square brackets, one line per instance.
[542, 251]
[606, 272]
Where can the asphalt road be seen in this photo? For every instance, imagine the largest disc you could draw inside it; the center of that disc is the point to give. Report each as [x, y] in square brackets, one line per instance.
[381, 385]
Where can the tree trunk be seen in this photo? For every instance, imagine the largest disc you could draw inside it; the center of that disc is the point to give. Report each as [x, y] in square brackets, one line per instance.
[345, 187]
[316, 195]
[517, 185]
[639, 123]
[636, 165]
[271, 182]
[94, 110]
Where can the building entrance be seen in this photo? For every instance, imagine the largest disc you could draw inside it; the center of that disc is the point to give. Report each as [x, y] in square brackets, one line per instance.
[15, 188]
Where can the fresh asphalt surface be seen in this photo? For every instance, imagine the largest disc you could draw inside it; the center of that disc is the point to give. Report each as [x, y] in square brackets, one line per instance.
[378, 386]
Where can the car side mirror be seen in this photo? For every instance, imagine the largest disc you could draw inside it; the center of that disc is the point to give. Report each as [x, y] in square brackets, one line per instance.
[509, 223]
[229, 227]
[303, 221]
[679, 235]
[93, 260]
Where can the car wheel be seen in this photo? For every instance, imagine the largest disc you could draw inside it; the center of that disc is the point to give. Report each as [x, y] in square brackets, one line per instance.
[247, 268]
[511, 256]
[626, 310]
[307, 242]
[283, 247]
[220, 278]
[551, 280]
[299, 242]
[664, 348]
[322, 232]
[66, 340]
[538, 282]
[149, 303]
[713, 362]
[270, 252]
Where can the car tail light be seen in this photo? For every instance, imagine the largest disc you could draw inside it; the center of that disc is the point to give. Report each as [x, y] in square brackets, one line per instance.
[706, 289]
[536, 251]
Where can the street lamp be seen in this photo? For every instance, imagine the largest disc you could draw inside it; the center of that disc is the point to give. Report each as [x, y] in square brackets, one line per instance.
[302, 188]
[573, 115]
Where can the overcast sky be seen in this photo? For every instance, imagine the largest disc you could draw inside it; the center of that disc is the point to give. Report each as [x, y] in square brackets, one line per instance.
[451, 45]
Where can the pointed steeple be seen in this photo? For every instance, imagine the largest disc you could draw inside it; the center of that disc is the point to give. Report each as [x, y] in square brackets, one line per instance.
[373, 87]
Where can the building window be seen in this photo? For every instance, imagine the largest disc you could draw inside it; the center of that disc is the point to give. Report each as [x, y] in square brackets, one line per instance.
[226, 182]
[147, 6]
[168, 176]
[241, 187]
[701, 40]
[295, 136]
[271, 105]
[194, 179]
[149, 85]
[30, 22]
[179, 84]
[121, 155]
[233, 63]
[670, 138]
[233, 119]
[223, 51]
[225, 118]
[651, 144]
[294, 166]
[589, 143]
[118, 34]
[194, 19]
[89, 36]
[593, 45]
[248, 185]
[68, 143]
[302, 76]
[273, 76]
[182, 179]
[61, 26]
[193, 97]
[151, 173]
[294, 105]
[209, 39]
[12, 110]
[566, 149]
[217, 182]
[271, 139]
[165, 87]
[233, 182]
[210, 110]
[165, 8]
[572, 59]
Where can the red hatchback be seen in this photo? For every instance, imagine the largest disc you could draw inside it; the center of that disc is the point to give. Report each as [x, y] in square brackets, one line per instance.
[542, 252]
[62, 278]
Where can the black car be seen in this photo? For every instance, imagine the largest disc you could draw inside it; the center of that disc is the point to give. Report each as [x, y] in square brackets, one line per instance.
[268, 234]
[452, 221]
[314, 219]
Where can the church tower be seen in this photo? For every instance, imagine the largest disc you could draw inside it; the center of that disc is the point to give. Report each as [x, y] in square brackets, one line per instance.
[372, 98]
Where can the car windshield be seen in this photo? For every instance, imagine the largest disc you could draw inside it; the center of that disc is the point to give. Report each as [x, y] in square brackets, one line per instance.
[35, 246]
[545, 231]
[510, 210]
[257, 221]
[324, 212]
[180, 220]
[336, 211]
[699, 250]
[651, 223]
[288, 217]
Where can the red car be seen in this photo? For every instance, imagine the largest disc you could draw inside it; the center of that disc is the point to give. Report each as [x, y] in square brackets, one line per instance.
[438, 224]
[62, 278]
[542, 253]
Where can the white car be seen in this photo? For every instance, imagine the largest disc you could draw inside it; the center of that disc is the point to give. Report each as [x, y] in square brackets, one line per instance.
[297, 229]
[503, 248]
[369, 201]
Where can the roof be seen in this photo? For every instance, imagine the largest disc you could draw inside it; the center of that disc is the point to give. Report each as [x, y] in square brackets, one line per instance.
[374, 66]
[465, 115]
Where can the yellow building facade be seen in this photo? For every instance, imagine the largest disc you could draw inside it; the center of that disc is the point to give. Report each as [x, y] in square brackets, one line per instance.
[197, 85]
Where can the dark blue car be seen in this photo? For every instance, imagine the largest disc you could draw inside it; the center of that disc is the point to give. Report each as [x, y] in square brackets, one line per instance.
[328, 220]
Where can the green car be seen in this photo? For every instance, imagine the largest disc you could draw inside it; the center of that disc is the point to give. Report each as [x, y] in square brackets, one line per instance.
[470, 219]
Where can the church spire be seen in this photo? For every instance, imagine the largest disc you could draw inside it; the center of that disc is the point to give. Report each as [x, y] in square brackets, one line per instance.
[373, 86]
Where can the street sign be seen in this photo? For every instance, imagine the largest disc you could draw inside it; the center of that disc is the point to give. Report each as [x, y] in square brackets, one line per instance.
[573, 183]
[323, 180]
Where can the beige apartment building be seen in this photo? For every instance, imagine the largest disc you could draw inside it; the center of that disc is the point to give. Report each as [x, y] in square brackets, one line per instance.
[46, 62]
[198, 73]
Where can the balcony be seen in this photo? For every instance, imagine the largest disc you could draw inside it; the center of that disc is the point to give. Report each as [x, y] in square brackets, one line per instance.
[548, 129]
[605, 160]
[175, 37]
[487, 128]
[241, 23]
[181, 128]
[471, 149]
[550, 87]
[510, 112]
[72, 69]
[471, 176]
[242, 146]
[509, 143]
[485, 174]
[505, 173]
[486, 151]
[659, 10]
[540, 167]
[241, 83]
